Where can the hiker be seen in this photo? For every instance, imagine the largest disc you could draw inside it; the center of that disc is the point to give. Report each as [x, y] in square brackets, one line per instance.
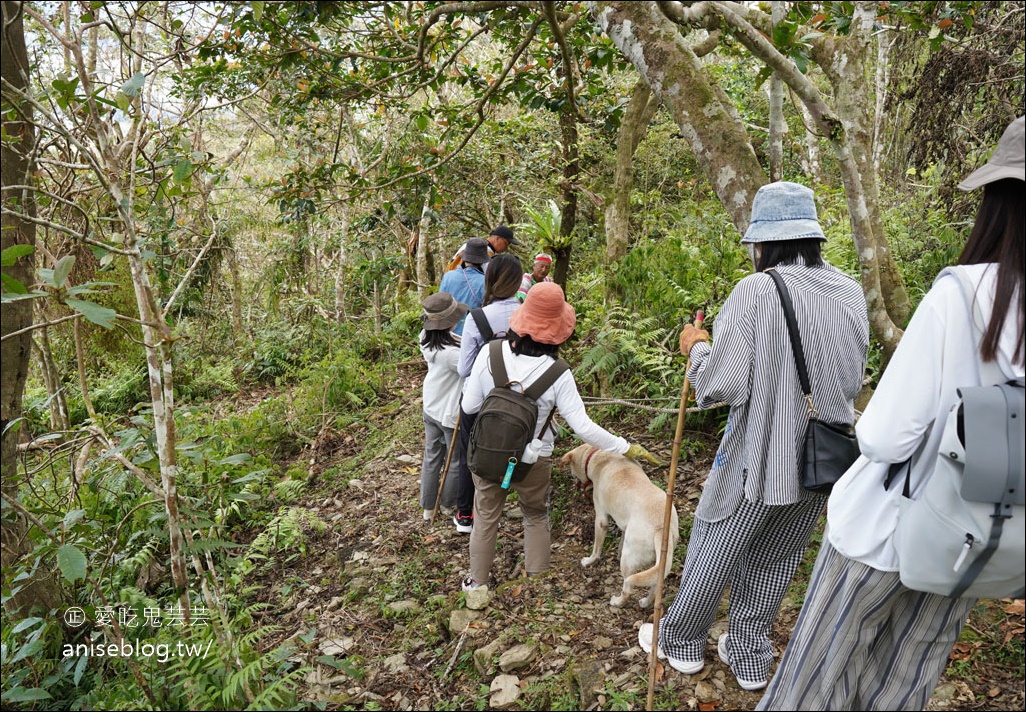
[499, 302]
[754, 519]
[863, 641]
[536, 331]
[499, 240]
[538, 273]
[441, 395]
[467, 283]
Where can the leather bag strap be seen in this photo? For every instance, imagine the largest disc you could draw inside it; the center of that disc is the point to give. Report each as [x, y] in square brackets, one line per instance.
[795, 336]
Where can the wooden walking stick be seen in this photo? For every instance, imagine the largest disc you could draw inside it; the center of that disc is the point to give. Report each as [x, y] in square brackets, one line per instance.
[657, 610]
[445, 470]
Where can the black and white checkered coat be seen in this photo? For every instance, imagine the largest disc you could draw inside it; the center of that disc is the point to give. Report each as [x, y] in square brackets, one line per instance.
[750, 366]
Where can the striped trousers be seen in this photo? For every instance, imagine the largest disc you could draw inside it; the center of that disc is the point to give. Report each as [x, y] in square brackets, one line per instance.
[864, 642]
[756, 550]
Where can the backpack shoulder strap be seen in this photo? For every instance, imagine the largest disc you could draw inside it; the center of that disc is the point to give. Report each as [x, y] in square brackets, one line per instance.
[499, 376]
[482, 324]
[545, 381]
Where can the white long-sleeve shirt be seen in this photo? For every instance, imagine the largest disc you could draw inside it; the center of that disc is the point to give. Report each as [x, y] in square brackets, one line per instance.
[498, 314]
[441, 389]
[563, 396]
[937, 355]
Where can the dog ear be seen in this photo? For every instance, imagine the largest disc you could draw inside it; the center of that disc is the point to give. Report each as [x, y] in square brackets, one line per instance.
[565, 460]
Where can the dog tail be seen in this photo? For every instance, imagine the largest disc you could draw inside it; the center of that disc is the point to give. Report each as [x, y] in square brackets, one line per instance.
[650, 577]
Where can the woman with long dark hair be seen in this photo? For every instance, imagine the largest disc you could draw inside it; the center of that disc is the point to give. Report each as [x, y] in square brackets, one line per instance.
[501, 282]
[441, 396]
[863, 640]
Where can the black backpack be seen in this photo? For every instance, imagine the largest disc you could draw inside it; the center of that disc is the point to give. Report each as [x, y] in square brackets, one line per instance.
[507, 421]
[483, 326]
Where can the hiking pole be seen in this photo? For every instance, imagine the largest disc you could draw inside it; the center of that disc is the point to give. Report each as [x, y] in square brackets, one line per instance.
[657, 610]
[445, 470]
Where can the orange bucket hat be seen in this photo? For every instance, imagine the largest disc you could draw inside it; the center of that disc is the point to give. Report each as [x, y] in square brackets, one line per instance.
[545, 315]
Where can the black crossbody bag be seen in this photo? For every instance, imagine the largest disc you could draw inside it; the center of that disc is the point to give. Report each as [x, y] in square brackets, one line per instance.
[830, 448]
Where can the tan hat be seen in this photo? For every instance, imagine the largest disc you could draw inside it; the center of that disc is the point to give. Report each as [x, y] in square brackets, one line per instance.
[1008, 160]
[544, 316]
[442, 312]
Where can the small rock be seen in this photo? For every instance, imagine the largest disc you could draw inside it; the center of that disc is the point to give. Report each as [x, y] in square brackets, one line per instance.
[601, 642]
[505, 690]
[515, 513]
[396, 663]
[590, 680]
[706, 692]
[335, 602]
[517, 657]
[408, 459]
[478, 598]
[336, 646]
[483, 658]
[460, 618]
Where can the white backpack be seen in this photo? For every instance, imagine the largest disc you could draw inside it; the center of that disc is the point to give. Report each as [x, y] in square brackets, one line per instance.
[966, 534]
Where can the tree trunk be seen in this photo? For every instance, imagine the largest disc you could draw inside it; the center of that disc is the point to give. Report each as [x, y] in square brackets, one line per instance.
[653, 44]
[233, 269]
[776, 114]
[16, 169]
[423, 253]
[568, 186]
[340, 270]
[844, 62]
[633, 128]
[810, 162]
[59, 420]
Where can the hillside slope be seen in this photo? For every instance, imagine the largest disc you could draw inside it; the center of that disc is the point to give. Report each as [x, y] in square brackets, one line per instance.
[373, 600]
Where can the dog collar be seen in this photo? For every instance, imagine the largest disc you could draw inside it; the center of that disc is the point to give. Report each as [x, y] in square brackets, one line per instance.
[586, 461]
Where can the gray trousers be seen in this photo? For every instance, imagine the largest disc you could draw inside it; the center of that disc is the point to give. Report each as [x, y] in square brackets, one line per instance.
[489, 497]
[864, 642]
[436, 446]
[756, 550]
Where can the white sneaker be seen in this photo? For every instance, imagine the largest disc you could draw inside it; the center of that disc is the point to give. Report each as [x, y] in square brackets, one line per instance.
[684, 666]
[721, 649]
[469, 584]
[427, 514]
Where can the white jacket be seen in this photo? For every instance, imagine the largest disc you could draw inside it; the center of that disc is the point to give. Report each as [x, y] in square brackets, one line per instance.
[937, 355]
[441, 390]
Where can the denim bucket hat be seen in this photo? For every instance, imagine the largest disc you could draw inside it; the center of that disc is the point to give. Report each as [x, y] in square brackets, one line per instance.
[783, 211]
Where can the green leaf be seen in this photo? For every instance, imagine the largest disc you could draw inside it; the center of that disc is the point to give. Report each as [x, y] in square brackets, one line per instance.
[46, 274]
[9, 256]
[258, 9]
[134, 86]
[236, 459]
[27, 623]
[62, 270]
[73, 517]
[183, 169]
[93, 312]
[28, 694]
[72, 562]
[10, 284]
[80, 668]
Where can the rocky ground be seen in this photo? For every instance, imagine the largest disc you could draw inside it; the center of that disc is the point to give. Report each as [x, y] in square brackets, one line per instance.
[372, 599]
